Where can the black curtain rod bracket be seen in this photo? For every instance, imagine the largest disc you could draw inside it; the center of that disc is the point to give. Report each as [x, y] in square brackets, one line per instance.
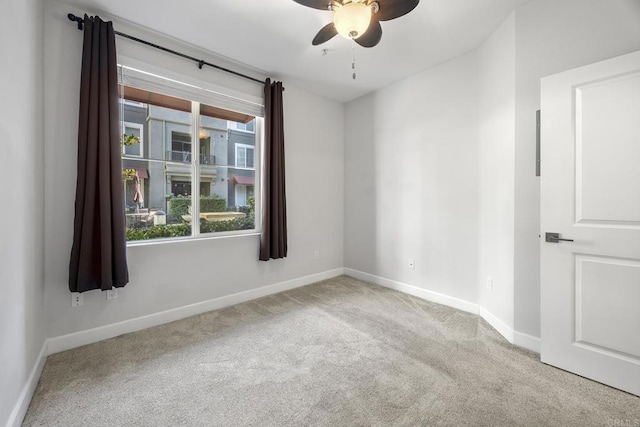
[201, 62]
[77, 19]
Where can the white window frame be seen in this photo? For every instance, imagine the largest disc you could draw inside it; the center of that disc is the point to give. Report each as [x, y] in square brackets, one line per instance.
[197, 93]
[245, 147]
[140, 127]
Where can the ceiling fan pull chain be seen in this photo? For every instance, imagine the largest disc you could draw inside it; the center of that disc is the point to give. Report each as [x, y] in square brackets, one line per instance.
[353, 64]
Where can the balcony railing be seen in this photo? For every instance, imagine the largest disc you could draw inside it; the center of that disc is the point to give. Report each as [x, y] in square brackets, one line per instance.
[185, 157]
[179, 156]
[207, 160]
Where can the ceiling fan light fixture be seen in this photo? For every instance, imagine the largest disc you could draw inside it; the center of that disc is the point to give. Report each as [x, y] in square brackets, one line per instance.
[352, 19]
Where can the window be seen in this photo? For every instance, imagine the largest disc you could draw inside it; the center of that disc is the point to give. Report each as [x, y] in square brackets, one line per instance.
[244, 156]
[136, 149]
[244, 193]
[180, 147]
[183, 188]
[248, 127]
[161, 176]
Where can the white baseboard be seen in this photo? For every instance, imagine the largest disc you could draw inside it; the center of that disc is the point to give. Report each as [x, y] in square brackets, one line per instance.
[89, 336]
[514, 337]
[21, 406]
[505, 330]
[526, 341]
[415, 291]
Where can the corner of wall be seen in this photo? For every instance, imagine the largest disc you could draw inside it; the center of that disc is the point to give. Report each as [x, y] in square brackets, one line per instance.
[24, 399]
[496, 176]
[22, 322]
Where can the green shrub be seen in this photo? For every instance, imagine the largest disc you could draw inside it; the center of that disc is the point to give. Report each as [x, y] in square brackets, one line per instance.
[184, 229]
[212, 204]
[179, 206]
[245, 223]
[252, 206]
[159, 231]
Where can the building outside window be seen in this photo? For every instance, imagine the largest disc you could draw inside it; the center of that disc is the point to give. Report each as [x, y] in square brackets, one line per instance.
[249, 127]
[244, 156]
[135, 129]
[180, 147]
[243, 194]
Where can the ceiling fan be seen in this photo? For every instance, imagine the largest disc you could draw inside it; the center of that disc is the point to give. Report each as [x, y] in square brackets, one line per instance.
[358, 19]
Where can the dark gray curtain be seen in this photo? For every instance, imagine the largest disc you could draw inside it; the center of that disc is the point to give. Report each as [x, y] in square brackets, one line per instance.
[273, 242]
[98, 256]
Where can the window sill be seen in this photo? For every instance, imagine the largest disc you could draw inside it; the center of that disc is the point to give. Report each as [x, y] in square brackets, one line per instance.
[217, 236]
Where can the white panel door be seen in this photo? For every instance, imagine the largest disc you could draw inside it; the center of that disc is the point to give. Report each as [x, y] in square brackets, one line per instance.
[590, 193]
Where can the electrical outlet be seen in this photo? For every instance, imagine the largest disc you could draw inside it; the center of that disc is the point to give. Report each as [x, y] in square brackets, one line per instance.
[316, 254]
[490, 283]
[77, 299]
[112, 293]
[412, 263]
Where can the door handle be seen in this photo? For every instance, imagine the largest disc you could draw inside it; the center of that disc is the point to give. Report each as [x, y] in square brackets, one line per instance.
[555, 238]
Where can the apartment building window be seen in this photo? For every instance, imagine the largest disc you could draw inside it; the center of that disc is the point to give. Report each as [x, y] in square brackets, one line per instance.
[135, 129]
[180, 147]
[191, 146]
[183, 188]
[245, 156]
[244, 193]
[247, 127]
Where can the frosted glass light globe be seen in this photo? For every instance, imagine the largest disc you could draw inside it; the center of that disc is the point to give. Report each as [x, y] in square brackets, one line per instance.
[352, 19]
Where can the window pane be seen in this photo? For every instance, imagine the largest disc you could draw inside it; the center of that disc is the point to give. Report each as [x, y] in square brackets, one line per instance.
[241, 157]
[226, 193]
[249, 155]
[158, 186]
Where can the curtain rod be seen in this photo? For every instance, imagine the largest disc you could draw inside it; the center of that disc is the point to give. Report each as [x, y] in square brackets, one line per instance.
[201, 62]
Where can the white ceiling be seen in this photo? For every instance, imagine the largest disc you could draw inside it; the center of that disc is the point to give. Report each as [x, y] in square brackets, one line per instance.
[275, 36]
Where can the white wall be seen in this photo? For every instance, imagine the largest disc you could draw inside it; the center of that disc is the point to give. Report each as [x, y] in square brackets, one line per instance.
[166, 276]
[496, 151]
[21, 235]
[403, 178]
[553, 36]
[411, 180]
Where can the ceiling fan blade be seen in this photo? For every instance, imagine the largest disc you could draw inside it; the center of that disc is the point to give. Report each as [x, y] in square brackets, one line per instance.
[315, 4]
[372, 36]
[392, 9]
[325, 34]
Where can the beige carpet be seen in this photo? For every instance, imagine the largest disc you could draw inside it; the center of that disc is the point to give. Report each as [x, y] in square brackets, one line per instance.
[338, 352]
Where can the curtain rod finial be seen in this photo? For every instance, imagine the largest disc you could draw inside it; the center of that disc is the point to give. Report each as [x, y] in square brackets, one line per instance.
[77, 19]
